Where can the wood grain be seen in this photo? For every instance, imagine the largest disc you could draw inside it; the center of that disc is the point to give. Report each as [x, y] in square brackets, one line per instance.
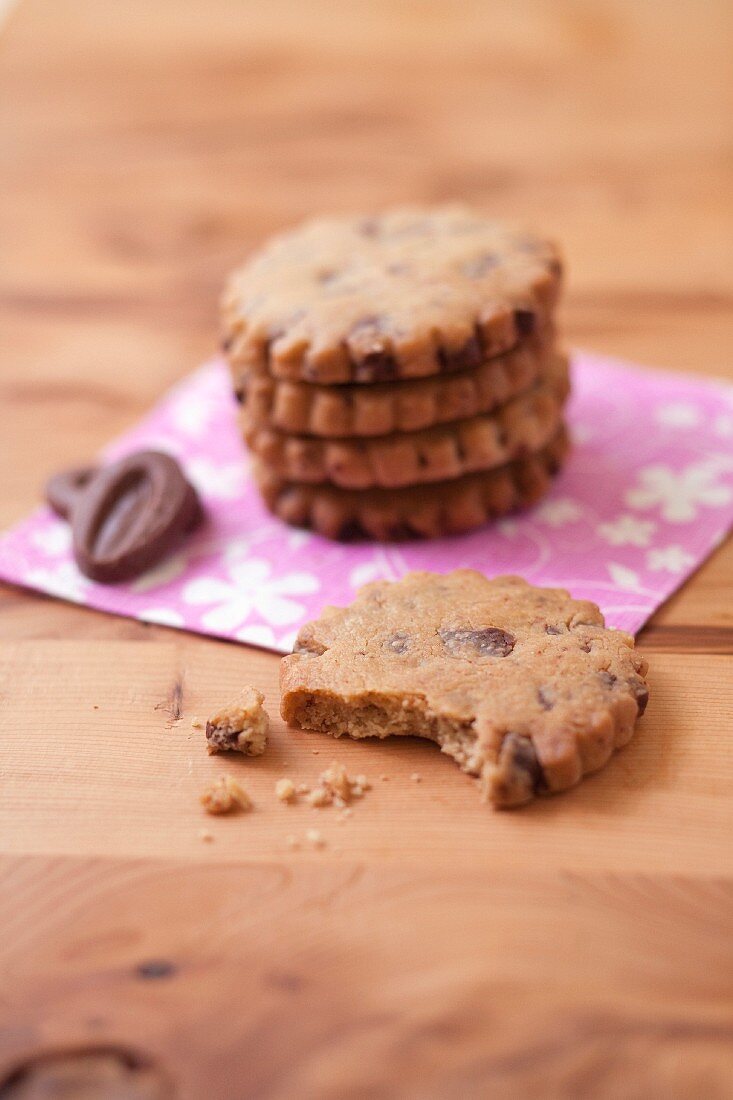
[431, 948]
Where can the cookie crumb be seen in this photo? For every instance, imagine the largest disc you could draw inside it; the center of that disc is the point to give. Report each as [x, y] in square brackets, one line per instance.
[416, 777]
[196, 723]
[319, 796]
[292, 841]
[315, 838]
[303, 788]
[240, 726]
[316, 752]
[285, 790]
[336, 788]
[224, 796]
[384, 778]
[206, 836]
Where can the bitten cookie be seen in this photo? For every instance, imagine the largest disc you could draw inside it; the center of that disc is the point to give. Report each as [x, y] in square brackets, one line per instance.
[520, 427]
[422, 511]
[413, 292]
[524, 687]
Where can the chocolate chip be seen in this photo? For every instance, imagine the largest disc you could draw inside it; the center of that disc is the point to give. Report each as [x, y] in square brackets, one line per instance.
[640, 692]
[607, 678]
[487, 642]
[222, 737]
[325, 278]
[376, 366]
[525, 321]
[155, 968]
[549, 629]
[399, 532]
[480, 265]
[467, 356]
[240, 395]
[585, 646]
[368, 227]
[519, 765]
[64, 490]
[131, 515]
[555, 268]
[227, 343]
[545, 697]
[399, 642]
[351, 531]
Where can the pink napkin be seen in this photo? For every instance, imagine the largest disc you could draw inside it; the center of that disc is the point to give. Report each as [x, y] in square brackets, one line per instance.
[646, 495]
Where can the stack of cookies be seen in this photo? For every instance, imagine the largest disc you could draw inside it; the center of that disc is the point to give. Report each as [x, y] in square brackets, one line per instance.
[399, 376]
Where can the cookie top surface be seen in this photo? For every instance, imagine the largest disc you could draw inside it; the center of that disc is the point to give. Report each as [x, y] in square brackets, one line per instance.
[413, 292]
[496, 658]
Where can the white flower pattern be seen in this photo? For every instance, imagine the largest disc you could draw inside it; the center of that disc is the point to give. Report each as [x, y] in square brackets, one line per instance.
[627, 531]
[678, 414]
[162, 616]
[679, 495]
[674, 559]
[251, 587]
[723, 425]
[63, 580]
[53, 539]
[624, 577]
[217, 481]
[559, 512]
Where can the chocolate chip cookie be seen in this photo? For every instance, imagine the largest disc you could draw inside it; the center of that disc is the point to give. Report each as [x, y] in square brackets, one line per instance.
[411, 293]
[524, 687]
[520, 427]
[424, 511]
[304, 408]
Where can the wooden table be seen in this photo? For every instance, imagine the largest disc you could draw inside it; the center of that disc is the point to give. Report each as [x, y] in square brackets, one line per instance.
[433, 948]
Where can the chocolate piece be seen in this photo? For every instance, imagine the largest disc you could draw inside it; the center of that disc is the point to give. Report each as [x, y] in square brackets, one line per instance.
[64, 489]
[519, 770]
[375, 366]
[525, 320]
[467, 357]
[546, 698]
[640, 692]
[130, 515]
[481, 265]
[488, 642]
